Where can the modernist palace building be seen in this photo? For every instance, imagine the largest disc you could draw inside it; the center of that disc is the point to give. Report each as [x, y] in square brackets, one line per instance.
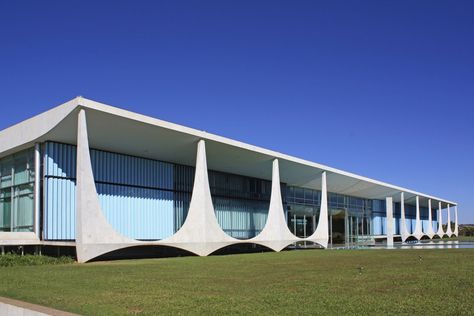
[102, 179]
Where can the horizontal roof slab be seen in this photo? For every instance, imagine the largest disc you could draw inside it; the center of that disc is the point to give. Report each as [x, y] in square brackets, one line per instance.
[117, 130]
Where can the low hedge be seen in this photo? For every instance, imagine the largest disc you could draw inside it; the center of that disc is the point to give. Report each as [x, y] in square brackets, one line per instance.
[11, 260]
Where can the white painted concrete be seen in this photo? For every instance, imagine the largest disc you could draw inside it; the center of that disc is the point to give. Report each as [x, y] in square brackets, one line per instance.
[12, 307]
[201, 233]
[275, 234]
[403, 224]
[37, 197]
[18, 238]
[13, 310]
[94, 235]
[449, 231]
[430, 232]
[418, 233]
[26, 133]
[321, 234]
[390, 223]
[456, 226]
[49, 126]
[440, 231]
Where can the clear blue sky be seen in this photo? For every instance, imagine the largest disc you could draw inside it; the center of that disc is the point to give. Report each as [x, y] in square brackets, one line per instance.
[380, 88]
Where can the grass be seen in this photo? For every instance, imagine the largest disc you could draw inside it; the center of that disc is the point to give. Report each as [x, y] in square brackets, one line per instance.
[10, 260]
[461, 238]
[324, 282]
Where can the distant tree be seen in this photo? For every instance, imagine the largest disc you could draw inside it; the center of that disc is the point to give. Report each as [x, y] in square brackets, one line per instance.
[466, 230]
[453, 225]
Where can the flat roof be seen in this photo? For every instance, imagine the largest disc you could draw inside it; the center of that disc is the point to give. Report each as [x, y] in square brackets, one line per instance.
[118, 130]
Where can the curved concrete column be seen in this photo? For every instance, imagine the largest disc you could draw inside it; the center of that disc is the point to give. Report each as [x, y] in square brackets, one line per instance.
[456, 227]
[430, 232]
[418, 233]
[275, 234]
[449, 231]
[390, 227]
[440, 231]
[201, 232]
[403, 225]
[94, 235]
[321, 234]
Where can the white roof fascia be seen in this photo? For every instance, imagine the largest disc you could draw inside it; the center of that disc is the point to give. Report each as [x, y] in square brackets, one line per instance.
[202, 134]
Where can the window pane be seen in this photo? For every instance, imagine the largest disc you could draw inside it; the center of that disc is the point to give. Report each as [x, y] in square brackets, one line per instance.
[5, 209]
[290, 193]
[6, 173]
[340, 200]
[299, 193]
[17, 178]
[21, 170]
[23, 208]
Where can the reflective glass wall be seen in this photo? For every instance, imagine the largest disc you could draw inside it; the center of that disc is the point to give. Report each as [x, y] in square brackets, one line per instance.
[380, 217]
[349, 219]
[302, 206]
[146, 199]
[410, 217]
[137, 195]
[149, 199]
[17, 192]
[241, 203]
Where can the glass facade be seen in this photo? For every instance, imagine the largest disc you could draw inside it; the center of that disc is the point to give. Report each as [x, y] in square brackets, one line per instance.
[410, 217]
[240, 203]
[302, 205]
[148, 199]
[349, 217]
[17, 192]
[137, 195]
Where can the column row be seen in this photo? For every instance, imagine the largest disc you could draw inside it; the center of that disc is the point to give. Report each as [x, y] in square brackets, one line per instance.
[419, 232]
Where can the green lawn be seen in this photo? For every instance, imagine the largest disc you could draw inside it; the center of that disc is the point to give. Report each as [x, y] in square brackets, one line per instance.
[461, 238]
[325, 282]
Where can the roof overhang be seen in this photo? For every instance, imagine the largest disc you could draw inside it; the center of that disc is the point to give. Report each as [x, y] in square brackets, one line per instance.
[122, 131]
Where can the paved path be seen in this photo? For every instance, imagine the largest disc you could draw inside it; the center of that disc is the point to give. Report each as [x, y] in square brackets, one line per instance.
[13, 307]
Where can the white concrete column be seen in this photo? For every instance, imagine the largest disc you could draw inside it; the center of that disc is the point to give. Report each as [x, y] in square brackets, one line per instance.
[456, 228]
[440, 231]
[94, 235]
[418, 233]
[390, 226]
[430, 232]
[37, 191]
[321, 234]
[201, 232]
[449, 231]
[403, 225]
[275, 234]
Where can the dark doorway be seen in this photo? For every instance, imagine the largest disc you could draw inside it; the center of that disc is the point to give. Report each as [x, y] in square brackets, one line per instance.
[337, 231]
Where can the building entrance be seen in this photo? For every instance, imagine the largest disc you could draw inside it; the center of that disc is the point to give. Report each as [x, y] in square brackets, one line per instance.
[301, 225]
[348, 230]
[337, 226]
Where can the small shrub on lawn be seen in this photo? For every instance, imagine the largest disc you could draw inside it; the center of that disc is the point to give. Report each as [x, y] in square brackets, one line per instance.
[11, 260]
